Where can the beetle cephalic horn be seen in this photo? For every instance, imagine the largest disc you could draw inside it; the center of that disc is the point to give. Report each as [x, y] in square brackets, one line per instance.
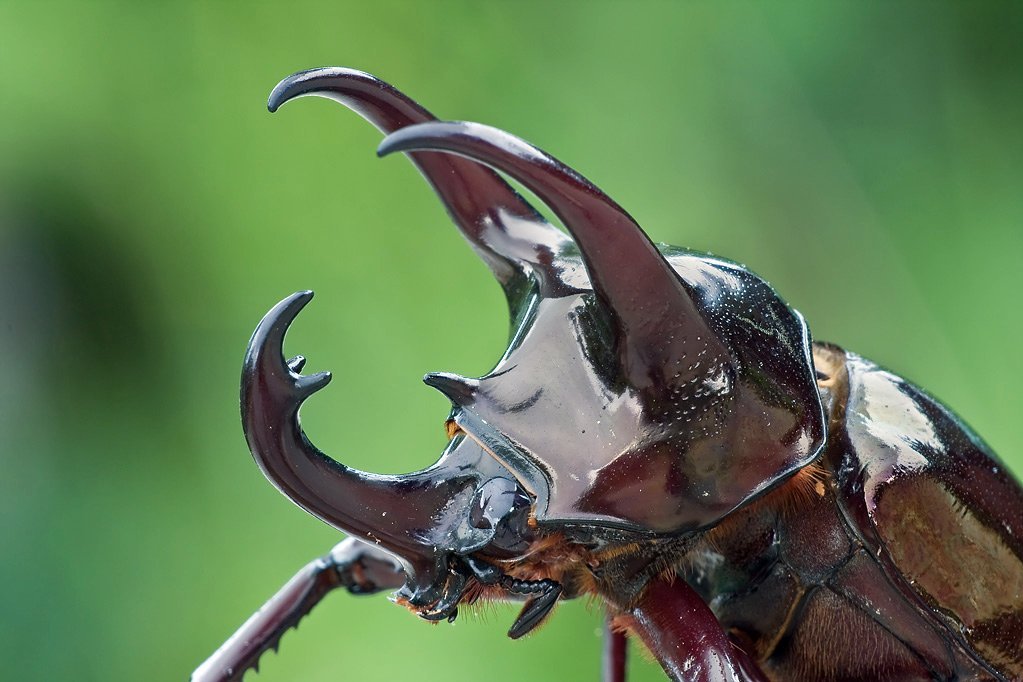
[391, 511]
[657, 319]
[501, 226]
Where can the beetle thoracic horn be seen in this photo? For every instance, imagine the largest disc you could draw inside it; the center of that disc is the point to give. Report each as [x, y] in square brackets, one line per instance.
[626, 270]
[391, 511]
[485, 208]
[460, 390]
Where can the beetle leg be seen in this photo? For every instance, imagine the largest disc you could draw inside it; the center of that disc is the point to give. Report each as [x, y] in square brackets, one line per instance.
[365, 569]
[682, 633]
[352, 564]
[614, 655]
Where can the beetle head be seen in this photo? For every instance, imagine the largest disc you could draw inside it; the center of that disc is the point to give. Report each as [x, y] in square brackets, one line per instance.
[642, 391]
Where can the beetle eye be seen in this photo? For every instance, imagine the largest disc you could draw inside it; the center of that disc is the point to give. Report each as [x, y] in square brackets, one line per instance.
[500, 504]
[452, 428]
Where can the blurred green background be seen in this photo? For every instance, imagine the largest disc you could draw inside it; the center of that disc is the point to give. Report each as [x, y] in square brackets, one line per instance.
[867, 159]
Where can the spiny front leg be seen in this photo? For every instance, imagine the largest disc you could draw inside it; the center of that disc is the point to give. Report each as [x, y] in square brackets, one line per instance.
[352, 564]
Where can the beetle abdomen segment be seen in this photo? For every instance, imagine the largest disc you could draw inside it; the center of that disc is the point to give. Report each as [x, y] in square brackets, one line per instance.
[791, 581]
[835, 640]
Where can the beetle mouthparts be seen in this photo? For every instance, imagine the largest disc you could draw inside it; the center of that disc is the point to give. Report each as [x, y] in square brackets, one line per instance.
[463, 572]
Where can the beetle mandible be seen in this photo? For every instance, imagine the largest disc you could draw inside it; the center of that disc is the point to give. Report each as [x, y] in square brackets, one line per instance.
[661, 433]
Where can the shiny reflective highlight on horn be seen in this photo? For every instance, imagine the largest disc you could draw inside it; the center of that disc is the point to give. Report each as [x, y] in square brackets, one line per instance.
[511, 237]
[397, 513]
[657, 320]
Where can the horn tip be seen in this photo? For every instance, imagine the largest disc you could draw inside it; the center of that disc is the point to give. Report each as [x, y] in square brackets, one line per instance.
[411, 138]
[459, 137]
[458, 389]
[271, 329]
[295, 85]
[386, 147]
[314, 81]
[280, 94]
[294, 303]
[307, 385]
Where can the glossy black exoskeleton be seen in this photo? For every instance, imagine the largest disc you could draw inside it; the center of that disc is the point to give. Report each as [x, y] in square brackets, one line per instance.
[660, 433]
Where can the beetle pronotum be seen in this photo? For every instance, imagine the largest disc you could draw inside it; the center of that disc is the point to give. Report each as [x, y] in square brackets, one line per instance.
[661, 433]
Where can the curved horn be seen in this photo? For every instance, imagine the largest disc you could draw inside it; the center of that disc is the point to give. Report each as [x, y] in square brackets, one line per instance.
[657, 319]
[500, 225]
[394, 512]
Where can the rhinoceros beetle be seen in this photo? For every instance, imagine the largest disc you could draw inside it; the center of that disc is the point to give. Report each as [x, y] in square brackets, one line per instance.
[661, 434]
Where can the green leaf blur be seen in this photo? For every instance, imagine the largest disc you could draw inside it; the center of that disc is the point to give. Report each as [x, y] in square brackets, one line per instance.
[867, 159]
